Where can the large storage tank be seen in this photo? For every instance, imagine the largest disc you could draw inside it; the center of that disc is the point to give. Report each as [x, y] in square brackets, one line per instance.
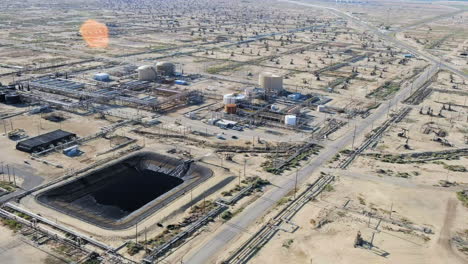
[290, 120]
[230, 108]
[232, 98]
[165, 68]
[12, 98]
[270, 81]
[146, 73]
[229, 99]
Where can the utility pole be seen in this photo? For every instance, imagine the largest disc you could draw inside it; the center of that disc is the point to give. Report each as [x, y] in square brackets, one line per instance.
[295, 184]
[146, 240]
[136, 233]
[354, 137]
[191, 199]
[245, 163]
[411, 89]
[14, 177]
[203, 204]
[388, 108]
[391, 210]
[372, 240]
[8, 169]
[276, 155]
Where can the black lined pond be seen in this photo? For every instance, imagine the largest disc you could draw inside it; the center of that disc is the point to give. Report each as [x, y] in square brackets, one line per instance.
[118, 195]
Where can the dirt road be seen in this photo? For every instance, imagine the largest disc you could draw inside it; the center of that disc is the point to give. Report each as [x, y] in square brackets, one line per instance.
[445, 249]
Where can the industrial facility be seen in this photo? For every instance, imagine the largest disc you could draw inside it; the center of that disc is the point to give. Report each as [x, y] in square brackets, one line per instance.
[44, 141]
[233, 132]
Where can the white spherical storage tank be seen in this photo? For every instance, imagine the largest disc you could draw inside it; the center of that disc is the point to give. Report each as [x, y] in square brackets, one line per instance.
[146, 73]
[290, 120]
[270, 81]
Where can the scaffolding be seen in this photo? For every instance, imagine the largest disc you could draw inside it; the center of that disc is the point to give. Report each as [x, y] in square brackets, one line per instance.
[107, 96]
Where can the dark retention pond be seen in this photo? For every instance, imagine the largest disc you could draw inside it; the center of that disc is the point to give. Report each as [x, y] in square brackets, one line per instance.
[124, 192]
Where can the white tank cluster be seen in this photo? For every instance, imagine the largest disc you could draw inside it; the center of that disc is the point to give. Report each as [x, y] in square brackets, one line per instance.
[270, 81]
[146, 73]
[165, 68]
[290, 120]
[150, 72]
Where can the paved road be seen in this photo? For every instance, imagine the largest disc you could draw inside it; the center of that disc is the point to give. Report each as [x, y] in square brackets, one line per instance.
[237, 225]
[30, 180]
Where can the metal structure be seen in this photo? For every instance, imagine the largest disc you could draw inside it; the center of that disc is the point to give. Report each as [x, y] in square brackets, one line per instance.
[109, 96]
[57, 82]
[221, 206]
[312, 143]
[375, 136]
[267, 231]
[161, 250]
[60, 227]
[44, 141]
[78, 141]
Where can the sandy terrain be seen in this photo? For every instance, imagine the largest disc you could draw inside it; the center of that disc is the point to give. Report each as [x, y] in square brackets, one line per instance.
[333, 242]
[15, 251]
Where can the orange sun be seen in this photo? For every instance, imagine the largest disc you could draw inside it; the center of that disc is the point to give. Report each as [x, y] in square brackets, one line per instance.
[95, 34]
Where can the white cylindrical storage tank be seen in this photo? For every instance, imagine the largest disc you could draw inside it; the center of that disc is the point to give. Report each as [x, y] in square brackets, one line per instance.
[233, 98]
[290, 120]
[249, 92]
[239, 97]
[321, 108]
[103, 77]
[270, 81]
[165, 68]
[229, 99]
[146, 73]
